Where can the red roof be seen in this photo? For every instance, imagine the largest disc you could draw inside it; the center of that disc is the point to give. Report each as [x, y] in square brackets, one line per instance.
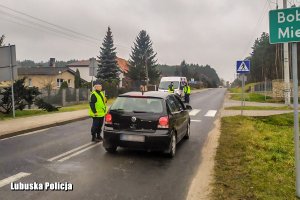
[122, 63]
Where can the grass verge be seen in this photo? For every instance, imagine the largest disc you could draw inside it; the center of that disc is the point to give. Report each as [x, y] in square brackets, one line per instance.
[259, 108]
[252, 97]
[28, 113]
[255, 158]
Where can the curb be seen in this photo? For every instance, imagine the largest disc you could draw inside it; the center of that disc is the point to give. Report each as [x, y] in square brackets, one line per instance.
[42, 127]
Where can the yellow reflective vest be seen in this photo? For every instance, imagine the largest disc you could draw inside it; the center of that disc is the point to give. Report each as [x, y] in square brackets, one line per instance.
[171, 89]
[187, 90]
[99, 105]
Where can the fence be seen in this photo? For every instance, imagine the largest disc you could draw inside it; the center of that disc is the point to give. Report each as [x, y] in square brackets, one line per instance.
[65, 97]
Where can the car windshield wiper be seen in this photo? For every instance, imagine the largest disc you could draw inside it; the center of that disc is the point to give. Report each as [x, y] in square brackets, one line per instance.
[139, 111]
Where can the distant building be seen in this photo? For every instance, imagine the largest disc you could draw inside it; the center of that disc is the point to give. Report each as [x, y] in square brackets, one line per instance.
[43, 77]
[83, 67]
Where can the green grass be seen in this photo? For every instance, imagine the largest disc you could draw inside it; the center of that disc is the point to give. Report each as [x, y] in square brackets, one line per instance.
[253, 97]
[255, 158]
[259, 108]
[28, 113]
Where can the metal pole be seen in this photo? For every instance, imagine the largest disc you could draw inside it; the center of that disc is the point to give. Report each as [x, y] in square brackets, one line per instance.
[296, 116]
[287, 93]
[12, 82]
[147, 78]
[243, 99]
[265, 88]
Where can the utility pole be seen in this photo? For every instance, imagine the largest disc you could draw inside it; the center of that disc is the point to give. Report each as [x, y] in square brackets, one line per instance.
[287, 91]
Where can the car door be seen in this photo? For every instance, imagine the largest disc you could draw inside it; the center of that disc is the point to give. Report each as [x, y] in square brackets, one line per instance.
[183, 116]
[178, 117]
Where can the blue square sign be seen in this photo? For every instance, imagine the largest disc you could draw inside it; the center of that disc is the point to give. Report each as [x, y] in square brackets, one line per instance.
[243, 66]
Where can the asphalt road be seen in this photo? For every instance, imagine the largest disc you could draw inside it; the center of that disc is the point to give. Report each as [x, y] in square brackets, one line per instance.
[65, 154]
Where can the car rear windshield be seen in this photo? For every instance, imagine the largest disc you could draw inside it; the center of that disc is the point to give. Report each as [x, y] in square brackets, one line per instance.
[165, 85]
[138, 105]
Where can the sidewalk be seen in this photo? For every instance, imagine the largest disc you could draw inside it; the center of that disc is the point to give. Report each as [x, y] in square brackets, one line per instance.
[229, 103]
[27, 124]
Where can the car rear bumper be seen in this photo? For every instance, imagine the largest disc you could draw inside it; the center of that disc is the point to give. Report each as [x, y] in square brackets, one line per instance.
[157, 141]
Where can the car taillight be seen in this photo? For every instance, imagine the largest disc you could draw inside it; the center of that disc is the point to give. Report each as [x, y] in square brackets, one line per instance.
[163, 122]
[108, 119]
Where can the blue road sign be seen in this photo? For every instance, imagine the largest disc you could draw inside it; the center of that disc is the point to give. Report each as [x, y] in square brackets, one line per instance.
[243, 66]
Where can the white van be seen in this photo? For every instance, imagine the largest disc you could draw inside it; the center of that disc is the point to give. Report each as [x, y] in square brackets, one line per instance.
[178, 83]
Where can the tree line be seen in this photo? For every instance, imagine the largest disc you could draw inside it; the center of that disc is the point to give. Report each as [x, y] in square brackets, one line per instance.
[267, 60]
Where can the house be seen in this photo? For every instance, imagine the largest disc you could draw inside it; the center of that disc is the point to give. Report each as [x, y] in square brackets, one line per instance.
[45, 77]
[83, 67]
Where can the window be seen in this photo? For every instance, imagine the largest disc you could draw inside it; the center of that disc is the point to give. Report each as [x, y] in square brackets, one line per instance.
[136, 104]
[59, 82]
[165, 85]
[69, 81]
[171, 104]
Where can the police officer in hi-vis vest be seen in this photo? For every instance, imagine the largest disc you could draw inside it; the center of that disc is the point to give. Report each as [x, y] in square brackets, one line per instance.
[187, 92]
[97, 111]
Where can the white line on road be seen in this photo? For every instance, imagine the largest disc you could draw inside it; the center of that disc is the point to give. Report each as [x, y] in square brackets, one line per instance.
[69, 152]
[210, 113]
[194, 112]
[13, 178]
[33, 132]
[195, 120]
[78, 152]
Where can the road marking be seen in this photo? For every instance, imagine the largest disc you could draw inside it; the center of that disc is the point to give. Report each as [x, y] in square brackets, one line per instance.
[30, 133]
[69, 152]
[194, 112]
[195, 120]
[13, 178]
[78, 152]
[210, 113]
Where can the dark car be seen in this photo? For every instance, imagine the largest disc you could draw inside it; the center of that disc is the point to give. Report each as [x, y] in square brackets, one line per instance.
[154, 121]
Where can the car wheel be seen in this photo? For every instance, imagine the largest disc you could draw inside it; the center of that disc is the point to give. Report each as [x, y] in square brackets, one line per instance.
[172, 150]
[188, 131]
[111, 149]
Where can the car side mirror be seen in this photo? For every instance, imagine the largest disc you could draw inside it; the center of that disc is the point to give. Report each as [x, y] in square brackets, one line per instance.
[188, 107]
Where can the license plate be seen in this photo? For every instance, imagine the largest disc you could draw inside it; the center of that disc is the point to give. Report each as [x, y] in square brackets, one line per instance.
[133, 138]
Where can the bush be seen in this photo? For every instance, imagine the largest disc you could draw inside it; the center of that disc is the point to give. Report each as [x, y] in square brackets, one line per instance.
[40, 103]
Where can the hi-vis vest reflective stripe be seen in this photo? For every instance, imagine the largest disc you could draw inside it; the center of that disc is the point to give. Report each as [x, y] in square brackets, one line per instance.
[187, 90]
[99, 105]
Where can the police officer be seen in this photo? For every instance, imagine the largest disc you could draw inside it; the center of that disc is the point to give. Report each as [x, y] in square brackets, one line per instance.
[97, 111]
[187, 92]
[171, 88]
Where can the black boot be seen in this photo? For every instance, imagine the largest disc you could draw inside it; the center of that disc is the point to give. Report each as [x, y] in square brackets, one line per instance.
[99, 138]
[94, 138]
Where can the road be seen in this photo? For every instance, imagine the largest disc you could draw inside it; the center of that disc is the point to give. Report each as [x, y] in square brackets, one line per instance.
[65, 154]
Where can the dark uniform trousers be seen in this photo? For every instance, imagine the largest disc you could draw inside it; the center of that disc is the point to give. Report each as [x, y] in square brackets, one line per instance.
[97, 126]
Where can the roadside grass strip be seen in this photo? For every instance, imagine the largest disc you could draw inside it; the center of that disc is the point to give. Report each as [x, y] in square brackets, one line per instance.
[259, 108]
[13, 178]
[255, 158]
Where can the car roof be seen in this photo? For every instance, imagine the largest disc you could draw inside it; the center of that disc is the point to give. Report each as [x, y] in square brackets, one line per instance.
[155, 94]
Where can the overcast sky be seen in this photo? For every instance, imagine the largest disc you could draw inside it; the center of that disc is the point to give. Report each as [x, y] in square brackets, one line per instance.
[214, 32]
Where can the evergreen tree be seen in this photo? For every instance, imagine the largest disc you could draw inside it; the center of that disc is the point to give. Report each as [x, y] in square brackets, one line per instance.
[108, 69]
[143, 57]
[184, 69]
[77, 79]
[2, 40]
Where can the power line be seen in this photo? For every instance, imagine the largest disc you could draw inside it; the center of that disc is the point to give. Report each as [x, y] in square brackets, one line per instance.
[260, 19]
[61, 29]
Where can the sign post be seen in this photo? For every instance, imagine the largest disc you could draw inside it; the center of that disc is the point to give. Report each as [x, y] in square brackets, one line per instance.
[285, 27]
[7, 68]
[243, 67]
[93, 69]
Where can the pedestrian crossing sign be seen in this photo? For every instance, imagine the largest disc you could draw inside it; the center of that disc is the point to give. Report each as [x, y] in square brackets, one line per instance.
[243, 66]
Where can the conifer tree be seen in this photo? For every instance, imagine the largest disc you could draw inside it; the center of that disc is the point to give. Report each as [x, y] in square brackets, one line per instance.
[108, 69]
[143, 57]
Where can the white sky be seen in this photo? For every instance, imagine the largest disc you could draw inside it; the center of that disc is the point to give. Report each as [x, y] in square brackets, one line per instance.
[214, 32]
